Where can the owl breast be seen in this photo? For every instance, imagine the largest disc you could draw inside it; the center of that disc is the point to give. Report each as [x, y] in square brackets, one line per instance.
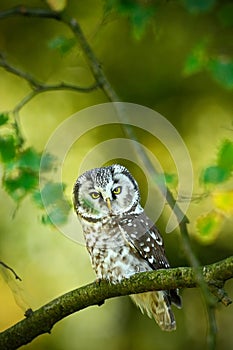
[112, 256]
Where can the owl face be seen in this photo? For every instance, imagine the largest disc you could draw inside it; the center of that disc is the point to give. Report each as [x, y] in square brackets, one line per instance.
[105, 191]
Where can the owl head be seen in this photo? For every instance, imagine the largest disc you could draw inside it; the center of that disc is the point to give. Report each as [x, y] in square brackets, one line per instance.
[110, 190]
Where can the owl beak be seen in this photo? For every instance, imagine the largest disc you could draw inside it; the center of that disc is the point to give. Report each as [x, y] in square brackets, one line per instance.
[109, 204]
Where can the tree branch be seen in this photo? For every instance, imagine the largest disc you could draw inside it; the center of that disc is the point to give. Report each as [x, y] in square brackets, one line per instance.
[22, 10]
[39, 87]
[42, 320]
[10, 268]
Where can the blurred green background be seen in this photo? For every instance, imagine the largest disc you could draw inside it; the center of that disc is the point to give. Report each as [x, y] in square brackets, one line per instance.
[175, 57]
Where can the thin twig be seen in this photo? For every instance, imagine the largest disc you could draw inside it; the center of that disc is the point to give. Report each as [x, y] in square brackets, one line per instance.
[29, 12]
[10, 268]
[39, 87]
[4, 64]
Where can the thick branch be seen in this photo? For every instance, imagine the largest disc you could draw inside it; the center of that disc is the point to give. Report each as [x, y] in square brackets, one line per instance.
[42, 320]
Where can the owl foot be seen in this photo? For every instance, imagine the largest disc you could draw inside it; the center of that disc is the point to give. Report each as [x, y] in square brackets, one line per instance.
[98, 281]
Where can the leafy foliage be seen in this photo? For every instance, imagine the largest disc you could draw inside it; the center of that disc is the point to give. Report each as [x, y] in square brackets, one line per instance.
[225, 155]
[198, 6]
[57, 215]
[209, 225]
[221, 69]
[20, 184]
[22, 166]
[48, 162]
[7, 148]
[62, 44]
[202, 58]
[138, 13]
[57, 207]
[222, 171]
[197, 59]
[224, 201]
[214, 175]
[3, 118]
[21, 170]
[171, 180]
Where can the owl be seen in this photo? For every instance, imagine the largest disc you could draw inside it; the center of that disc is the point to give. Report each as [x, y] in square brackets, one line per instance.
[120, 238]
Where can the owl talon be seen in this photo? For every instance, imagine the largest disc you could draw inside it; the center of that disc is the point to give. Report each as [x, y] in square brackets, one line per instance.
[98, 281]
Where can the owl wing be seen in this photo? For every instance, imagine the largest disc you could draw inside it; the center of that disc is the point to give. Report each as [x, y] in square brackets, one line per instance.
[142, 235]
[150, 247]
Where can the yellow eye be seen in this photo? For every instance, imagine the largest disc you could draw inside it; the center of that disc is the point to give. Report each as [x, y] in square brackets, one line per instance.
[95, 195]
[117, 190]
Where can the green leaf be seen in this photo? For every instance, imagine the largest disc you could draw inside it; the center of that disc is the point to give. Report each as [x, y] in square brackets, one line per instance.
[30, 159]
[7, 148]
[3, 118]
[48, 162]
[224, 201]
[225, 156]
[171, 180]
[197, 59]
[45, 219]
[225, 15]
[139, 14]
[52, 198]
[27, 159]
[214, 175]
[36, 196]
[58, 214]
[221, 70]
[198, 6]
[209, 226]
[62, 44]
[140, 18]
[52, 193]
[21, 184]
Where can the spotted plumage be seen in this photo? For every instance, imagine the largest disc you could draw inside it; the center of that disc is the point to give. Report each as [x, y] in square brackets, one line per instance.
[120, 238]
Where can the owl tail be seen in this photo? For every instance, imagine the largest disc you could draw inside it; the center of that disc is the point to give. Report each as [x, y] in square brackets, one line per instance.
[158, 306]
